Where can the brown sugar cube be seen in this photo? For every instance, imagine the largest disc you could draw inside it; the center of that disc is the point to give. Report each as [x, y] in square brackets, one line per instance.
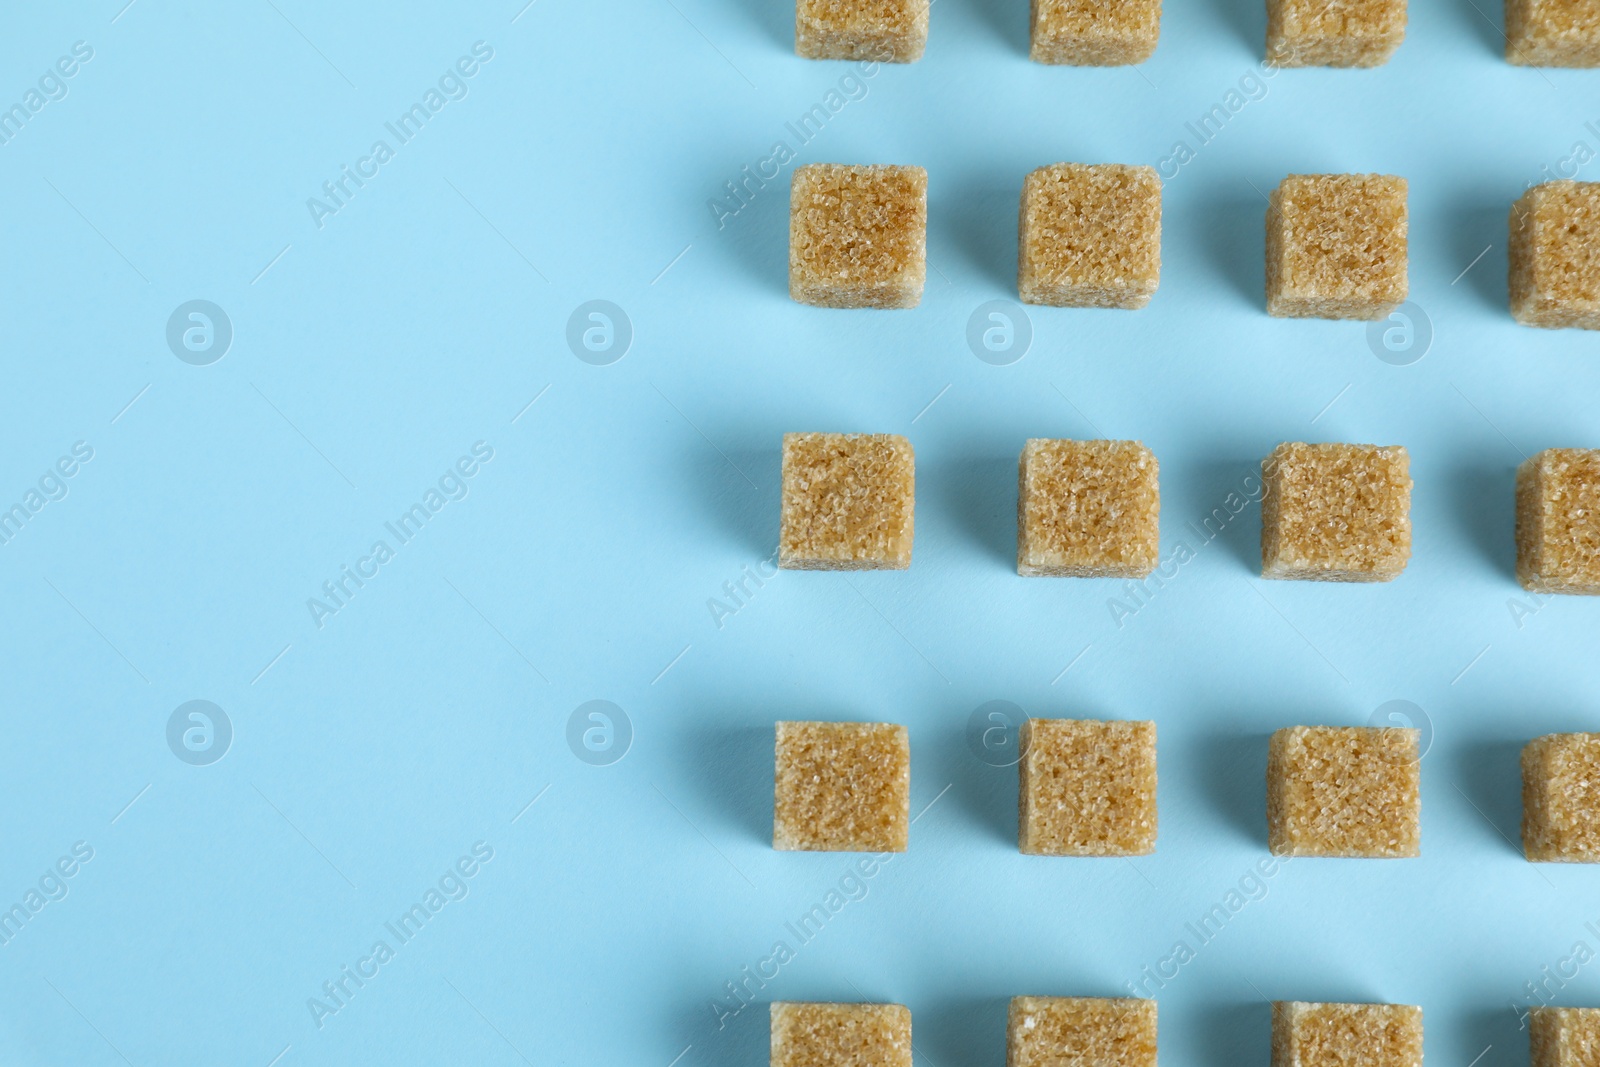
[1093, 33]
[1561, 799]
[882, 31]
[1087, 788]
[1555, 254]
[1089, 236]
[1552, 33]
[1346, 1035]
[1081, 1032]
[841, 787]
[840, 1035]
[1563, 1037]
[1336, 246]
[858, 235]
[848, 502]
[1558, 521]
[1087, 509]
[1351, 33]
[1344, 791]
[1335, 512]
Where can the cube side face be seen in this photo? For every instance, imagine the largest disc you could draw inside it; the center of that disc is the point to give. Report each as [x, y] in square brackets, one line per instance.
[1336, 246]
[1087, 509]
[1558, 522]
[848, 502]
[1089, 235]
[1554, 256]
[1084, 33]
[1344, 791]
[841, 787]
[883, 31]
[1087, 788]
[858, 235]
[1564, 1037]
[1350, 1035]
[1552, 33]
[1305, 33]
[840, 1035]
[1081, 1031]
[1561, 799]
[1335, 512]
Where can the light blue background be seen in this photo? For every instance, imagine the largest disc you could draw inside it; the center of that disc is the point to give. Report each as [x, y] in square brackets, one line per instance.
[369, 354]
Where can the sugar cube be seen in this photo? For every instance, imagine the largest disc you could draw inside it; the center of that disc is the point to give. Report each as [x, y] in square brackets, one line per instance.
[1087, 788]
[841, 787]
[840, 1035]
[1351, 33]
[1346, 1035]
[882, 31]
[1561, 799]
[848, 502]
[1344, 791]
[1087, 509]
[1552, 33]
[1335, 512]
[1563, 1037]
[1558, 521]
[858, 235]
[1081, 1032]
[1336, 246]
[1094, 33]
[1555, 254]
[1089, 235]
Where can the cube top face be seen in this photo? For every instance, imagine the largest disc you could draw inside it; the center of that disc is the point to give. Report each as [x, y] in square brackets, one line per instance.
[1336, 246]
[841, 787]
[1564, 1037]
[1344, 791]
[1558, 521]
[840, 1035]
[1353, 33]
[1555, 255]
[1090, 236]
[884, 31]
[858, 235]
[1081, 1032]
[849, 502]
[1088, 33]
[1335, 512]
[1087, 509]
[1087, 788]
[1561, 799]
[1552, 33]
[1346, 1035]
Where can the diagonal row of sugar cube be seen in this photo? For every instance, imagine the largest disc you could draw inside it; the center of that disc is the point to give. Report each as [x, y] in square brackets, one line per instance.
[1089, 236]
[1300, 33]
[1330, 512]
[1122, 1032]
[1087, 787]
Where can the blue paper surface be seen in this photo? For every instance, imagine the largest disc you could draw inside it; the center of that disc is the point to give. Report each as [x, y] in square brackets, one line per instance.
[577, 502]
